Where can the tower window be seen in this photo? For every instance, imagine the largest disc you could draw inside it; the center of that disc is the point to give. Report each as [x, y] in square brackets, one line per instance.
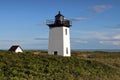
[66, 50]
[66, 31]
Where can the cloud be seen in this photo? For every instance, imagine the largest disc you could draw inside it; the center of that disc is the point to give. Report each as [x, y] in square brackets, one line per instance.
[100, 8]
[114, 27]
[40, 38]
[117, 37]
[113, 40]
[116, 43]
[100, 39]
[91, 35]
[78, 41]
[78, 19]
[81, 41]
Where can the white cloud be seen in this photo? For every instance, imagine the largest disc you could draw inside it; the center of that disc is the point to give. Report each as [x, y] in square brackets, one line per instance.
[115, 43]
[104, 38]
[100, 8]
[112, 40]
[117, 37]
[101, 42]
[78, 19]
[89, 35]
[101, 36]
[80, 41]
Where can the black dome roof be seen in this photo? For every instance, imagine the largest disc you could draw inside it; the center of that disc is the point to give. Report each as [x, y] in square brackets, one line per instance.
[59, 14]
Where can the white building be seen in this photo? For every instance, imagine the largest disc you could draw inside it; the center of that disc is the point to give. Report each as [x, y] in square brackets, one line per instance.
[59, 36]
[16, 49]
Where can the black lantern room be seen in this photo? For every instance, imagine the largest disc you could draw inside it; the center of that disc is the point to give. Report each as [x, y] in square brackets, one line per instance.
[59, 21]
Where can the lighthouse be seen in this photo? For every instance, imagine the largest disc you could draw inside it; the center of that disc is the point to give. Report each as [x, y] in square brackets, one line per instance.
[59, 36]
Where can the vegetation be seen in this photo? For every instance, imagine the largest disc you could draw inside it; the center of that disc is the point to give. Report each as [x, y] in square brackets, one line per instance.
[41, 66]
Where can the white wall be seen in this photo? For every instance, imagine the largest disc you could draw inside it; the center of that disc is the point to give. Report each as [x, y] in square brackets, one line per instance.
[18, 50]
[66, 43]
[59, 41]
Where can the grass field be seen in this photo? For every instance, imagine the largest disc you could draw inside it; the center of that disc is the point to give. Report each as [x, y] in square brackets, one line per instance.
[38, 65]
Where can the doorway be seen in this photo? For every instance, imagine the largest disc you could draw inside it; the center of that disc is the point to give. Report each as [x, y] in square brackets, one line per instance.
[55, 52]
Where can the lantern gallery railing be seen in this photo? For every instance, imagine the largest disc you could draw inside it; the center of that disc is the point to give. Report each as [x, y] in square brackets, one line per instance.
[65, 22]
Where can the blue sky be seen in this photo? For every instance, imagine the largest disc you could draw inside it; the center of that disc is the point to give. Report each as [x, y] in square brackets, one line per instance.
[95, 23]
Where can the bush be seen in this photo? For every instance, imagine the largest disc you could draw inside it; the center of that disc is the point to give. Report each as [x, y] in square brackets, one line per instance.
[28, 66]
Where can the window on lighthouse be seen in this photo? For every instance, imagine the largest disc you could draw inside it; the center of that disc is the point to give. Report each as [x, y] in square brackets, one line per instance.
[66, 31]
[66, 50]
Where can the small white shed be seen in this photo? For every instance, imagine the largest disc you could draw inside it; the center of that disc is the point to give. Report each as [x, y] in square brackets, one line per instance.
[16, 49]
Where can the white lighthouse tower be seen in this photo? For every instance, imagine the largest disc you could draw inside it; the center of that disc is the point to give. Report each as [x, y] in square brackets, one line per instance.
[59, 36]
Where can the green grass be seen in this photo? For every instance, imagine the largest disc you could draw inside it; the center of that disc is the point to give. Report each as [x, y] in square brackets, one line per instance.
[81, 66]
